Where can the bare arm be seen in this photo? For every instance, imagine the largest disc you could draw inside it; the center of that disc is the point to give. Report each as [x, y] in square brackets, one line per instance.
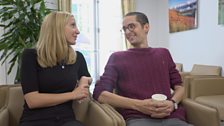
[39, 100]
[178, 93]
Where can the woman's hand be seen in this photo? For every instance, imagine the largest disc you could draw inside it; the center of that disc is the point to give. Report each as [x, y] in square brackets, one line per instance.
[82, 91]
[38, 100]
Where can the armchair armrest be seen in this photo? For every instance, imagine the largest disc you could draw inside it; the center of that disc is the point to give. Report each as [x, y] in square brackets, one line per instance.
[200, 115]
[117, 117]
[102, 118]
[4, 117]
[91, 113]
[206, 86]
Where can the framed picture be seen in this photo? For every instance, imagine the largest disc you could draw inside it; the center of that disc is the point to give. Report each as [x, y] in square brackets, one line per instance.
[221, 12]
[183, 15]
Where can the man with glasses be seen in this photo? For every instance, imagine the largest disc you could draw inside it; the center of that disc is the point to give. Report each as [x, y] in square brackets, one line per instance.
[137, 74]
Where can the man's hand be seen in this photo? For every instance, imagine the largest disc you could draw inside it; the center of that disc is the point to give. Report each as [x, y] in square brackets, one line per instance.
[156, 109]
[162, 109]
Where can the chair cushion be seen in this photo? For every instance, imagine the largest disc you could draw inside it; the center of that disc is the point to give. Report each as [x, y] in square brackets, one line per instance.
[215, 101]
[206, 70]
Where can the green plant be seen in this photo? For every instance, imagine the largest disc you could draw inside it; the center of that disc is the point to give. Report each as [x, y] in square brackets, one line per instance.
[21, 20]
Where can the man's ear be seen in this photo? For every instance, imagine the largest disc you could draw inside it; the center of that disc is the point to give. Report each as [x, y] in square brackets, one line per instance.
[146, 28]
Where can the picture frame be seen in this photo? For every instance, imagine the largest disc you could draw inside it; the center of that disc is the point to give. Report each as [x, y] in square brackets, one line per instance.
[183, 15]
[221, 12]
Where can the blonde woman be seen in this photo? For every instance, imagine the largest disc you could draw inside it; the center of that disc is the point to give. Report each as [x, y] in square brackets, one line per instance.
[50, 72]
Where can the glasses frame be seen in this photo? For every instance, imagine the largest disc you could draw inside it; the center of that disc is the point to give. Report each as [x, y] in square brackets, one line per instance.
[131, 27]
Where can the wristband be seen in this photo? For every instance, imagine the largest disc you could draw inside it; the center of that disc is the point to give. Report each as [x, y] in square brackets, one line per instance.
[175, 105]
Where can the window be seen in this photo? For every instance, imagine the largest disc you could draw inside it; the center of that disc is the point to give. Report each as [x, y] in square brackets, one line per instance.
[99, 22]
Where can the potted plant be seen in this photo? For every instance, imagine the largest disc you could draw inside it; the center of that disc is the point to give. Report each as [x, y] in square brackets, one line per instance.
[21, 20]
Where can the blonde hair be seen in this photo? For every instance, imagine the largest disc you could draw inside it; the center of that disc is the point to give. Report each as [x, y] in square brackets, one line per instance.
[52, 46]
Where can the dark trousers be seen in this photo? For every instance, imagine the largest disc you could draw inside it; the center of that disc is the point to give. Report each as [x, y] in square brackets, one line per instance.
[72, 123]
[156, 122]
[51, 123]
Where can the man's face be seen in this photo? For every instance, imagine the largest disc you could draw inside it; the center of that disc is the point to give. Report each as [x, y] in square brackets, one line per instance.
[135, 33]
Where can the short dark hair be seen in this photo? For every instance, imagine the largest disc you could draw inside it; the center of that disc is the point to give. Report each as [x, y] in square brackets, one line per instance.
[140, 17]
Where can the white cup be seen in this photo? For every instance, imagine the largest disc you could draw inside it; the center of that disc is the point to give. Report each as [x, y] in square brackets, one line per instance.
[159, 97]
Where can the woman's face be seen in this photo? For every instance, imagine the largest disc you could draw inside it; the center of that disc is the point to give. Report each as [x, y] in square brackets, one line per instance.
[71, 31]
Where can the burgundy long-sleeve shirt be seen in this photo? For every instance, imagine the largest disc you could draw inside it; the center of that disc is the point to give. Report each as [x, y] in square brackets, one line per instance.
[138, 73]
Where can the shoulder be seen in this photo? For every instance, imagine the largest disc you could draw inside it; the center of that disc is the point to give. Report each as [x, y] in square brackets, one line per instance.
[119, 53]
[160, 49]
[29, 56]
[163, 51]
[118, 56]
[79, 54]
[79, 57]
[29, 53]
[30, 50]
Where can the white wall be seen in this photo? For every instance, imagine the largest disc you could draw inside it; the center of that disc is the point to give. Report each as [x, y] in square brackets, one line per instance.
[2, 67]
[158, 19]
[203, 45]
[2, 74]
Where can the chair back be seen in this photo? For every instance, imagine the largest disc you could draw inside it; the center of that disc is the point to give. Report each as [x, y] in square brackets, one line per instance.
[179, 67]
[3, 96]
[206, 70]
[15, 104]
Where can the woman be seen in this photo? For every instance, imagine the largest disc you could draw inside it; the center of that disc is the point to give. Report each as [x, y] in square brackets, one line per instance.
[50, 73]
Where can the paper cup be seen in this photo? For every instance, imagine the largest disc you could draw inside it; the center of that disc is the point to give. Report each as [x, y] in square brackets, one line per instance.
[159, 97]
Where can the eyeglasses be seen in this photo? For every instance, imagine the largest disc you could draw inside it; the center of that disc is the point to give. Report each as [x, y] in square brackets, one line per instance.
[130, 27]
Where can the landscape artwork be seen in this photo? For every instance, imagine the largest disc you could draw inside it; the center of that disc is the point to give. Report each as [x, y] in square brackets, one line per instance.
[183, 15]
[221, 12]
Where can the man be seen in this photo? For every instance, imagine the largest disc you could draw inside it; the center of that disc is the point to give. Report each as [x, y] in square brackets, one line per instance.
[137, 74]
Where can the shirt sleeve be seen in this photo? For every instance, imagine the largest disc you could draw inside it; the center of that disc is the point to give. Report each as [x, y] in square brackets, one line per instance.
[28, 71]
[83, 69]
[108, 80]
[175, 78]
